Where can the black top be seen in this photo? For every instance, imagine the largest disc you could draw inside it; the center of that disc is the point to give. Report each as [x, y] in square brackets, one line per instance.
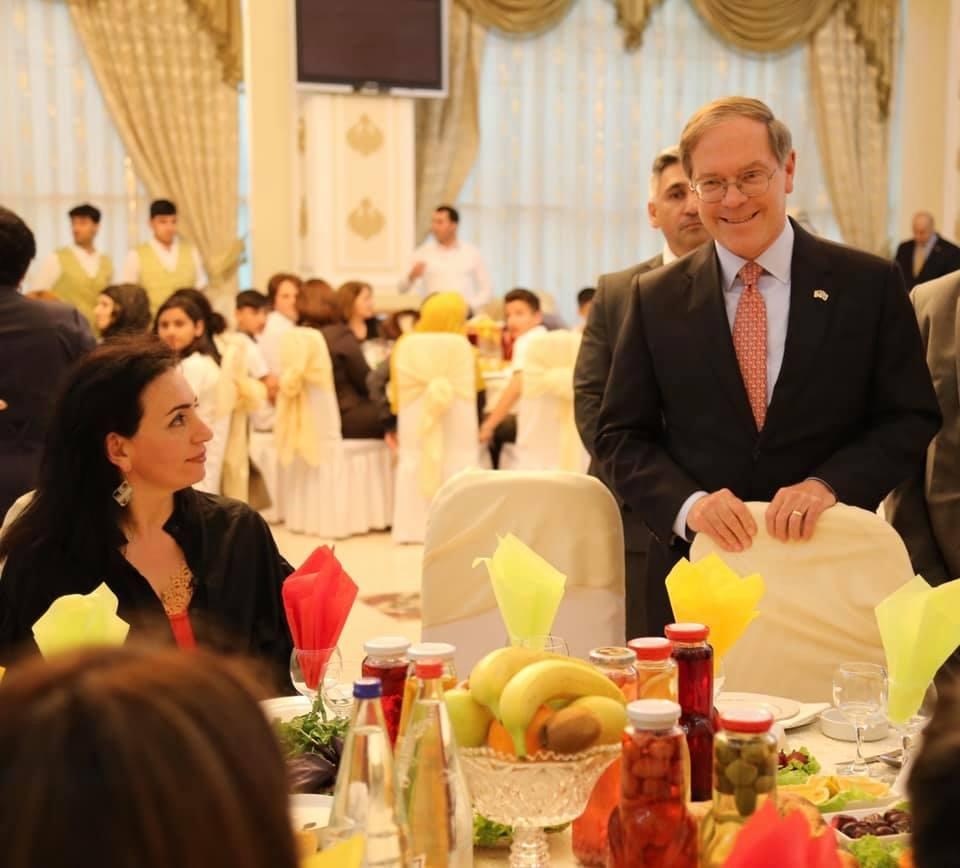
[350, 368]
[237, 571]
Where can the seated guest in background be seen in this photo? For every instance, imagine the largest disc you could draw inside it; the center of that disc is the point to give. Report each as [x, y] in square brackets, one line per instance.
[319, 308]
[114, 504]
[446, 264]
[522, 310]
[282, 291]
[252, 309]
[214, 324]
[39, 341]
[79, 273]
[181, 326]
[356, 303]
[188, 770]
[927, 255]
[584, 302]
[122, 309]
[165, 262]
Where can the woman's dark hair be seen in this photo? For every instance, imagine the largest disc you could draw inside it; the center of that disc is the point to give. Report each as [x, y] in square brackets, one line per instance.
[113, 752]
[202, 344]
[283, 277]
[214, 322]
[73, 517]
[347, 295]
[131, 310]
[317, 304]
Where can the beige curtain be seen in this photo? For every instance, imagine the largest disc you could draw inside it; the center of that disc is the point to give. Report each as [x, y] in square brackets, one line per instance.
[518, 16]
[852, 131]
[764, 25]
[632, 17]
[161, 75]
[223, 20]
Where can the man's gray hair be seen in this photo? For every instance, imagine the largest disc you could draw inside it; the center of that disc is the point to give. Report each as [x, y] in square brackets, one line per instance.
[666, 158]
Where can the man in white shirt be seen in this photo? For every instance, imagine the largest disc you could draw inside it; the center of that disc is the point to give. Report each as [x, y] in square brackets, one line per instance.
[447, 264]
[165, 263]
[79, 273]
[524, 320]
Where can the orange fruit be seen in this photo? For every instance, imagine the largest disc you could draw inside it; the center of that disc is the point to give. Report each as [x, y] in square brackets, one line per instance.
[499, 740]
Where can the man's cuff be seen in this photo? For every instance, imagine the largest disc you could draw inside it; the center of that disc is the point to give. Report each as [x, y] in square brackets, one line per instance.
[680, 525]
[824, 483]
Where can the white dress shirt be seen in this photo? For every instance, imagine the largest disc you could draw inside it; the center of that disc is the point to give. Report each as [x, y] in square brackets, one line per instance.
[257, 367]
[168, 259]
[774, 286]
[519, 354]
[49, 271]
[269, 342]
[457, 268]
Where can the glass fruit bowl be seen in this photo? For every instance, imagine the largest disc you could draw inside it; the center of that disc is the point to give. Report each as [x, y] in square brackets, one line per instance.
[529, 794]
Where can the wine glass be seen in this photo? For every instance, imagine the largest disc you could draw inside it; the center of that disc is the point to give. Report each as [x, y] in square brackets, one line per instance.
[909, 729]
[313, 670]
[553, 644]
[860, 693]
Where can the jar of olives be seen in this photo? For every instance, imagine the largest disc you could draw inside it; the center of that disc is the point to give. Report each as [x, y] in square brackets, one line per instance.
[744, 777]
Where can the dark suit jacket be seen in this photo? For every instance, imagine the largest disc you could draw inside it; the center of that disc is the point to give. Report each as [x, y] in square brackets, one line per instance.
[853, 404]
[38, 342]
[593, 369]
[925, 509]
[943, 258]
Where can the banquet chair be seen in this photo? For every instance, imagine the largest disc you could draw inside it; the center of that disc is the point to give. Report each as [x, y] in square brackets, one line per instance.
[264, 456]
[569, 519]
[436, 423]
[818, 609]
[328, 486]
[547, 437]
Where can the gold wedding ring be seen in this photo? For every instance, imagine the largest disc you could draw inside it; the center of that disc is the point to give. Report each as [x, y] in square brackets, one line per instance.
[797, 512]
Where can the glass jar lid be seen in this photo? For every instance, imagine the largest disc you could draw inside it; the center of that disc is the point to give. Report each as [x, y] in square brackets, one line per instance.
[612, 656]
[386, 646]
[443, 650]
[747, 720]
[651, 648]
[653, 713]
[686, 631]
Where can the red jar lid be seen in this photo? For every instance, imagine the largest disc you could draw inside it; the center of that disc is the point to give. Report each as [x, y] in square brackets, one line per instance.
[686, 632]
[747, 720]
[651, 648]
[431, 667]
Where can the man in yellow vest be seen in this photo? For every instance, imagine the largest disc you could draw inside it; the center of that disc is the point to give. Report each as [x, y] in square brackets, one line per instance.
[165, 263]
[77, 274]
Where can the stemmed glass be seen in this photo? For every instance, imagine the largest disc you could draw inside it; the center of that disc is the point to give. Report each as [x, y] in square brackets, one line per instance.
[553, 644]
[860, 693]
[909, 729]
[320, 670]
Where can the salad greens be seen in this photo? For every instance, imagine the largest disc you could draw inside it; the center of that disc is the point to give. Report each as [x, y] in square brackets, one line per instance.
[796, 767]
[871, 852]
[486, 833]
[312, 732]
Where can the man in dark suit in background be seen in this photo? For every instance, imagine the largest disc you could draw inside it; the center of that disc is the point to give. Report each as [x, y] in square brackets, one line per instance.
[927, 256]
[768, 366]
[38, 342]
[673, 210]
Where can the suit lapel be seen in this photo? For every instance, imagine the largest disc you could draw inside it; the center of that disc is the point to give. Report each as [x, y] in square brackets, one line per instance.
[710, 327]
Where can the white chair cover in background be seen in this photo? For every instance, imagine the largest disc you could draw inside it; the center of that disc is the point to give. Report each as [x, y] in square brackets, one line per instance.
[818, 608]
[547, 437]
[206, 378]
[328, 486]
[436, 423]
[570, 519]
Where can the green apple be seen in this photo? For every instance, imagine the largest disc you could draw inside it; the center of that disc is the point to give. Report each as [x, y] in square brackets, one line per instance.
[470, 719]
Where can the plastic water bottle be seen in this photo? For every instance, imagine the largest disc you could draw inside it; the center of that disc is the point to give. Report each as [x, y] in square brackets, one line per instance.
[432, 789]
[364, 799]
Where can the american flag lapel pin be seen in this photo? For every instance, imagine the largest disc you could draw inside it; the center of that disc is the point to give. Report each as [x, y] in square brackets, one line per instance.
[821, 294]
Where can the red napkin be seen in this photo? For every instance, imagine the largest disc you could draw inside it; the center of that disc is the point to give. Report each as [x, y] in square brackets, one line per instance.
[768, 839]
[317, 599]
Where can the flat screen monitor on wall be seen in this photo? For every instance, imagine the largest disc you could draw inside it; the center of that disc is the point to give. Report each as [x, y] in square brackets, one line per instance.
[372, 46]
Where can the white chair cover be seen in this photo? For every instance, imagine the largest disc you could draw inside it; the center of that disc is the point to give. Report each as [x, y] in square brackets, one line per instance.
[547, 437]
[329, 487]
[206, 379]
[264, 454]
[818, 608]
[436, 423]
[570, 519]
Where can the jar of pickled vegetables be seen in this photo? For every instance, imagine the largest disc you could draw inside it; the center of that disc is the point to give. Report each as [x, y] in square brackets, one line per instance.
[656, 668]
[444, 652]
[651, 826]
[744, 777]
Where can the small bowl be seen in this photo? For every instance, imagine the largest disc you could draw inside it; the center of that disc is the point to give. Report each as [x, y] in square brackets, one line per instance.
[834, 725]
[845, 841]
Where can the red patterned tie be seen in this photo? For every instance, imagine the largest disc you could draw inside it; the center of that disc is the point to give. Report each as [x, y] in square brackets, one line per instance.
[750, 341]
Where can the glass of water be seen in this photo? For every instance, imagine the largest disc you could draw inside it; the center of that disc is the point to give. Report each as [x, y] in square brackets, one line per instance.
[860, 693]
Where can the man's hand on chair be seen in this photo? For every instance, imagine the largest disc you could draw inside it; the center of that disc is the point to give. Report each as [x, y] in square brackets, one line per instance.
[724, 518]
[794, 510]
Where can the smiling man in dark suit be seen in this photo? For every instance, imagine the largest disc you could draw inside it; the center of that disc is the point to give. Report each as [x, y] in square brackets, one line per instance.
[770, 365]
[672, 208]
[926, 256]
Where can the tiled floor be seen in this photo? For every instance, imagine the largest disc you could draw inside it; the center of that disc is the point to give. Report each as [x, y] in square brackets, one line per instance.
[388, 576]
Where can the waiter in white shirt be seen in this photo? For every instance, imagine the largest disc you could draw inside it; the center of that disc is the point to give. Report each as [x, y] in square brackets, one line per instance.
[447, 264]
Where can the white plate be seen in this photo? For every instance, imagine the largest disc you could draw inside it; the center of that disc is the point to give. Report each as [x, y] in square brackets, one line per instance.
[835, 725]
[780, 707]
[309, 812]
[860, 813]
[808, 713]
[285, 708]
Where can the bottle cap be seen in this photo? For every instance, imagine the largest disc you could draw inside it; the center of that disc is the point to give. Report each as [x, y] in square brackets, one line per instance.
[386, 646]
[747, 720]
[429, 667]
[653, 713]
[686, 632]
[366, 688]
[443, 650]
[651, 648]
[612, 656]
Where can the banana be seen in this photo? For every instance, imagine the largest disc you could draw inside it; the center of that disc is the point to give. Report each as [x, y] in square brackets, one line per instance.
[610, 712]
[489, 676]
[535, 684]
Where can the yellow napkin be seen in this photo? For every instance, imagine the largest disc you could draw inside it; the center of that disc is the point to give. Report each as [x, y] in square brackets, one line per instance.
[80, 620]
[527, 588]
[709, 592]
[345, 854]
[920, 629]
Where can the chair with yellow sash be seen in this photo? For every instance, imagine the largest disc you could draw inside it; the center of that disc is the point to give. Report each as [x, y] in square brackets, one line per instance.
[436, 423]
[329, 487]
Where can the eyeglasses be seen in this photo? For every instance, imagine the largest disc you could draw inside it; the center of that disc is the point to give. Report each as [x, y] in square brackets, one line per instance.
[752, 183]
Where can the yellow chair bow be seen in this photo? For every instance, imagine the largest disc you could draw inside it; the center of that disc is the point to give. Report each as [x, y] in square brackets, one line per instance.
[238, 395]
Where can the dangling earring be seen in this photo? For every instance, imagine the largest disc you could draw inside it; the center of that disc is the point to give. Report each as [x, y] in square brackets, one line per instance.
[123, 493]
